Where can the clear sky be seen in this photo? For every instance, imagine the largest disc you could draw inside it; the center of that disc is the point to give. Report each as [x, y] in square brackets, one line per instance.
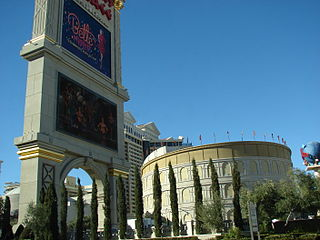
[195, 67]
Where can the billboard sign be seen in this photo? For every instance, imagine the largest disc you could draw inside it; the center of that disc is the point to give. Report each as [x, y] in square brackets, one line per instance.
[96, 6]
[86, 38]
[85, 114]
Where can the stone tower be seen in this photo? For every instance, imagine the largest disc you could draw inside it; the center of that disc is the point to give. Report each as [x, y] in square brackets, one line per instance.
[74, 98]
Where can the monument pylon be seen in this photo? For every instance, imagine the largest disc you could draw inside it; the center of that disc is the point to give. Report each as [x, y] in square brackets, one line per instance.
[74, 98]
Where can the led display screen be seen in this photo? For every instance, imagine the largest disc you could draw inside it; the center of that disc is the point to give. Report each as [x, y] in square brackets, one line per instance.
[84, 114]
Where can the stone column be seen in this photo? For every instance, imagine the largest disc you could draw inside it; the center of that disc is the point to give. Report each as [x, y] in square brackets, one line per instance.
[38, 169]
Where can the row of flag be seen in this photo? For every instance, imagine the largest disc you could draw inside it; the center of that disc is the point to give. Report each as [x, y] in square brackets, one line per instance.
[254, 134]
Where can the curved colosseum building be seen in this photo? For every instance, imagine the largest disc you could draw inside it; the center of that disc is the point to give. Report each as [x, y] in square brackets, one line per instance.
[257, 161]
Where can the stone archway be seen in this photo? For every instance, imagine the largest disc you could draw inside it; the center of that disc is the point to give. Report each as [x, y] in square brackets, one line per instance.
[44, 164]
[87, 164]
[94, 170]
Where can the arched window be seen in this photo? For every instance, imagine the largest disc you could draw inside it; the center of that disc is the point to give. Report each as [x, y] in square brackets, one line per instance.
[230, 215]
[165, 198]
[275, 167]
[163, 177]
[226, 168]
[186, 196]
[253, 167]
[265, 167]
[184, 174]
[228, 191]
[200, 172]
[241, 167]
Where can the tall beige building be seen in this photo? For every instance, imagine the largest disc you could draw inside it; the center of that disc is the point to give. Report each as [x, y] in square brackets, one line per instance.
[140, 140]
[133, 153]
[257, 161]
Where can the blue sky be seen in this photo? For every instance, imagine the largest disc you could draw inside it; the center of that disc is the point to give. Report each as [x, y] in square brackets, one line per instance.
[196, 68]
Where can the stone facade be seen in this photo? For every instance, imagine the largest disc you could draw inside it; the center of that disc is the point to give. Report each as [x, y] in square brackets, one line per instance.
[257, 161]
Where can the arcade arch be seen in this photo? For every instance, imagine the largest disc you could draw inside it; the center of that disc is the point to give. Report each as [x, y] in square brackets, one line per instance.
[86, 169]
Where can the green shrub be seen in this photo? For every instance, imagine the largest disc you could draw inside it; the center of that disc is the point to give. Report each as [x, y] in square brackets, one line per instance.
[233, 233]
[290, 237]
[173, 238]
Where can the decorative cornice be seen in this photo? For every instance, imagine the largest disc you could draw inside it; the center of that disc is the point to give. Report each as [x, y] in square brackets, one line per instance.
[35, 151]
[117, 172]
[217, 146]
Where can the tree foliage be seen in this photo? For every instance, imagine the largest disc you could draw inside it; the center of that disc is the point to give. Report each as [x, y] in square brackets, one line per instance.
[122, 208]
[107, 208]
[26, 234]
[236, 184]
[1, 211]
[198, 197]
[138, 203]
[42, 195]
[174, 201]
[306, 194]
[6, 232]
[266, 195]
[215, 187]
[80, 213]
[42, 219]
[211, 214]
[36, 220]
[299, 195]
[157, 201]
[94, 212]
[214, 208]
[63, 212]
[52, 231]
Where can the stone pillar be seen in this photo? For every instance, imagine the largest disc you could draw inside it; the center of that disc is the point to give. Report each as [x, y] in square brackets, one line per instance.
[114, 174]
[45, 19]
[100, 196]
[113, 198]
[38, 169]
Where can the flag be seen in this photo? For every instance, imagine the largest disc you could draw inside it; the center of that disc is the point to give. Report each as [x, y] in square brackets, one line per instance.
[228, 134]
[272, 136]
[278, 138]
[200, 137]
